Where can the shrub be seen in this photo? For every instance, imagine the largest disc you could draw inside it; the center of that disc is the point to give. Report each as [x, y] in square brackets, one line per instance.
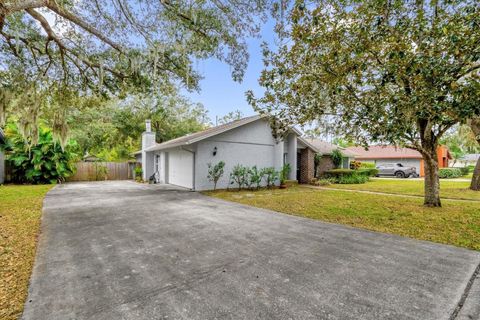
[369, 172]
[284, 172]
[464, 170]
[270, 176]
[367, 165]
[352, 179]
[41, 161]
[238, 176]
[348, 176]
[138, 172]
[335, 173]
[355, 165]
[449, 173]
[337, 158]
[256, 176]
[215, 173]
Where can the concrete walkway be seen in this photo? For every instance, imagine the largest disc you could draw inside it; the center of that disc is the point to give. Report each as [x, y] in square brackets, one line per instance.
[121, 250]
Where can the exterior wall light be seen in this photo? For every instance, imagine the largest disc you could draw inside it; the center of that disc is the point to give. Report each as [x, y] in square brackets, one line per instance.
[214, 151]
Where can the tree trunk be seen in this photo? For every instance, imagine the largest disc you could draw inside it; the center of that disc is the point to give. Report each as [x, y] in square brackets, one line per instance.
[475, 184]
[475, 125]
[432, 182]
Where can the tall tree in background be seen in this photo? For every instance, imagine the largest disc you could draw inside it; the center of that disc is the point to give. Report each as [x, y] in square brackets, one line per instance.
[398, 72]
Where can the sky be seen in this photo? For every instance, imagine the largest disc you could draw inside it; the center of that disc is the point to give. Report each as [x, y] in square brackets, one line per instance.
[219, 94]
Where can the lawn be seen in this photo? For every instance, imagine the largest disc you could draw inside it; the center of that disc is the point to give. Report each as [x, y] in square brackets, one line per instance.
[448, 189]
[20, 211]
[456, 223]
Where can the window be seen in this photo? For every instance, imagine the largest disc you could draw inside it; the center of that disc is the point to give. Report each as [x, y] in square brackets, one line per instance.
[285, 157]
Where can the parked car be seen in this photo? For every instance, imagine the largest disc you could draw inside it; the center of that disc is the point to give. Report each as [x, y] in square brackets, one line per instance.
[396, 170]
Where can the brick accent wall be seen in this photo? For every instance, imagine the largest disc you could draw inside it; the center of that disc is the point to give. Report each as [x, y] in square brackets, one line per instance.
[325, 164]
[306, 165]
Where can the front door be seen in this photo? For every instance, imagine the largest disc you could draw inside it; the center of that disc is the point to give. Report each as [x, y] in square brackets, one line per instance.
[299, 155]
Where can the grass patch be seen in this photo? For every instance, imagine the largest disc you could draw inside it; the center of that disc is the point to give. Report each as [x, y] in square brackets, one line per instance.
[448, 189]
[456, 223]
[20, 211]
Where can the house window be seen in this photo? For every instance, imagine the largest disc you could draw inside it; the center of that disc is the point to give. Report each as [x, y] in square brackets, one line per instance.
[285, 157]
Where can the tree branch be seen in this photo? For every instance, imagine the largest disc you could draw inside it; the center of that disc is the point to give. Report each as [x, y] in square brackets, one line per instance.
[82, 24]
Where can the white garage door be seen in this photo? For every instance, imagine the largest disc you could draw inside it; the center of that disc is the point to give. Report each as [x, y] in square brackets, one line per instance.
[180, 168]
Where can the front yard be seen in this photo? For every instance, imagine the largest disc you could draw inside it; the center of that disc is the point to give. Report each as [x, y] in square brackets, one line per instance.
[456, 223]
[20, 211]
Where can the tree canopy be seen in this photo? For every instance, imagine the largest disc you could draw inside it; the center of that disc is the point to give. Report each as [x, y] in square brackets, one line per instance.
[397, 72]
[107, 44]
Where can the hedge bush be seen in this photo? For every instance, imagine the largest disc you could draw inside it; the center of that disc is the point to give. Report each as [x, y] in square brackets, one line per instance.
[353, 179]
[370, 172]
[449, 173]
[464, 170]
[367, 165]
[348, 176]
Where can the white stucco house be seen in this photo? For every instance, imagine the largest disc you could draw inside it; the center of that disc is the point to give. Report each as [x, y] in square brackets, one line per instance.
[249, 141]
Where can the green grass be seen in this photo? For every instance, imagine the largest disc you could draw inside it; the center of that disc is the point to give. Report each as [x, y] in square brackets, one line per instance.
[456, 223]
[448, 189]
[20, 211]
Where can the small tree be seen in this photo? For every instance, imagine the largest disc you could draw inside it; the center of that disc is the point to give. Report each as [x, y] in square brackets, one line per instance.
[238, 176]
[337, 158]
[256, 176]
[270, 176]
[215, 172]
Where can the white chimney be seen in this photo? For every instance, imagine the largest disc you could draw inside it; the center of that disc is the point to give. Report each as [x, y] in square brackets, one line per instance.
[148, 140]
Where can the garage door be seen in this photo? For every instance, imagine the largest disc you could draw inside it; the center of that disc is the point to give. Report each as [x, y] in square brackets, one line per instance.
[180, 168]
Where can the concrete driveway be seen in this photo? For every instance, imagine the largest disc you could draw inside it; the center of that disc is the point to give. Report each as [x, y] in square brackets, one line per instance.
[121, 250]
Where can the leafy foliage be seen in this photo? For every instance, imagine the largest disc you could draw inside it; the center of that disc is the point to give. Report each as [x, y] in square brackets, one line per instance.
[284, 172]
[43, 162]
[256, 176]
[238, 175]
[337, 158]
[449, 173]
[215, 172]
[271, 175]
[394, 72]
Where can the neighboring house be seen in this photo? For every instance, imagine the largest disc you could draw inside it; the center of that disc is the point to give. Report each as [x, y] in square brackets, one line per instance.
[248, 142]
[2, 159]
[325, 149]
[467, 160]
[406, 156]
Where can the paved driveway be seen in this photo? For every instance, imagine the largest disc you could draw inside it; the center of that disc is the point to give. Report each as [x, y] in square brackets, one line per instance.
[121, 250]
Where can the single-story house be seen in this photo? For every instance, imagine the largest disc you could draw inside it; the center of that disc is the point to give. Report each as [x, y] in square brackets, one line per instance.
[406, 156]
[325, 162]
[2, 158]
[249, 142]
[468, 160]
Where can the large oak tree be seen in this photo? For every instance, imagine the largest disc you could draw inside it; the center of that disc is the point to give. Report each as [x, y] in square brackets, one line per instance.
[388, 71]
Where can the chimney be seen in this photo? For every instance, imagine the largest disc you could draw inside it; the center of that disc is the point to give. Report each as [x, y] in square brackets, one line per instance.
[148, 140]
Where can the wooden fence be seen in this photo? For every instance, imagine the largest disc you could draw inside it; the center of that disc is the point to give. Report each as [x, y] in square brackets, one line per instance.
[97, 171]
